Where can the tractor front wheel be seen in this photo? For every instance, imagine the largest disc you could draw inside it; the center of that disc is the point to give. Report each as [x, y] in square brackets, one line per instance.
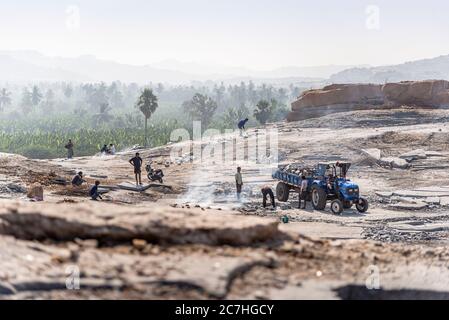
[319, 198]
[282, 192]
[337, 207]
[362, 205]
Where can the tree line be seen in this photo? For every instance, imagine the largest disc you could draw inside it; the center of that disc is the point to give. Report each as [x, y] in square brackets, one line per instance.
[67, 108]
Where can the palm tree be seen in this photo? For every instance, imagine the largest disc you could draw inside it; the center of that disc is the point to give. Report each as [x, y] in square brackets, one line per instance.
[147, 104]
[5, 98]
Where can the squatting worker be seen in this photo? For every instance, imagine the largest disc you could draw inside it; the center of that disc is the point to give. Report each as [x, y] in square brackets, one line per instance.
[93, 192]
[78, 180]
[303, 191]
[136, 162]
[239, 182]
[266, 191]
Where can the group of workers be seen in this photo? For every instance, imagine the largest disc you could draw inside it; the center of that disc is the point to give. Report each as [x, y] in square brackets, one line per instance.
[109, 150]
[78, 180]
[137, 163]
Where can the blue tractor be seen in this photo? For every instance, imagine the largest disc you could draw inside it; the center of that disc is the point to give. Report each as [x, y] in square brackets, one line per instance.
[327, 182]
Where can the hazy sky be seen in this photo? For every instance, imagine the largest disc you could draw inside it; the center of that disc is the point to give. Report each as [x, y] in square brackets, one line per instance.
[260, 34]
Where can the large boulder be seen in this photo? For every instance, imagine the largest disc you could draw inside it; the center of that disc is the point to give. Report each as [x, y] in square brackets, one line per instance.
[36, 192]
[431, 93]
[394, 162]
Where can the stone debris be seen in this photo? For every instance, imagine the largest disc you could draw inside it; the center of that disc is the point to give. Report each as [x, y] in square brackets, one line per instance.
[418, 226]
[12, 188]
[394, 162]
[421, 193]
[418, 205]
[388, 234]
[414, 155]
[417, 199]
[133, 187]
[36, 192]
[444, 201]
[432, 200]
[384, 194]
[373, 153]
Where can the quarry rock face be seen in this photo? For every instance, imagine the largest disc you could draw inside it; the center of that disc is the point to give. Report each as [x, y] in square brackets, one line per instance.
[339, 94]
[351, 97]
[335, 98]
[421, 93]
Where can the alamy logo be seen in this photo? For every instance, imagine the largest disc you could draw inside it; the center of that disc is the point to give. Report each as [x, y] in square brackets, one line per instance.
[373, 17]
[73, 18]
[214, 147]
[373, 280]
[72, 281]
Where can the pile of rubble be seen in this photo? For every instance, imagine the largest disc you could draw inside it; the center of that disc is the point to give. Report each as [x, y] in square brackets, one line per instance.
[416, 199]
[12, 188]
[404, 161]
[387, 234]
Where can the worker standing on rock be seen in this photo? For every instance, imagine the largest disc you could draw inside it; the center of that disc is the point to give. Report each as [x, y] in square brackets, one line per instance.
[303, 192]
[241, 126]
[136, 162]
[239, 182]
[266, 191]
[94, 194]
[69, 147]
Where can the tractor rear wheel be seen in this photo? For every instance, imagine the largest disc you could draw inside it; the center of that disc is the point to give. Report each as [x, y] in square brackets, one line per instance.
[282, 192]
[347, 204]
[319, 198]
[337, 207]
[362, 205]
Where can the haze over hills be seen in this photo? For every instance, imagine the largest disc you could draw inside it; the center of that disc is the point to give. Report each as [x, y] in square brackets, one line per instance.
[33, 66]
[425, 69]
[26, 66]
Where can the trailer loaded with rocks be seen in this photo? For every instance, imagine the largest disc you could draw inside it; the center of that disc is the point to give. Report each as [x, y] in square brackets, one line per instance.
[326, 182]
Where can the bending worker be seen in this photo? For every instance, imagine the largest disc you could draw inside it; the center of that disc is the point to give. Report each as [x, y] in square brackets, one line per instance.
[266, 191]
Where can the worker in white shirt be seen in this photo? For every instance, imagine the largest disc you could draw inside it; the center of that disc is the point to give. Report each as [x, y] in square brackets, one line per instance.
[239, 182]
[303, 192]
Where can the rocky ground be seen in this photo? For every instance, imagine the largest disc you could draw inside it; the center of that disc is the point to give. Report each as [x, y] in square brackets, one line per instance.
[191, 238]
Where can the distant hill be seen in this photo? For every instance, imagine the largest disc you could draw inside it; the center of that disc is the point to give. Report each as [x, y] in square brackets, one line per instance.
[426, 69]
[33, 66]
[316, 72]
[26, 66]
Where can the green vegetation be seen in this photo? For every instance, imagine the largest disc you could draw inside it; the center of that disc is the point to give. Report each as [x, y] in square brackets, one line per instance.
[43, 144]
[37, 120]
